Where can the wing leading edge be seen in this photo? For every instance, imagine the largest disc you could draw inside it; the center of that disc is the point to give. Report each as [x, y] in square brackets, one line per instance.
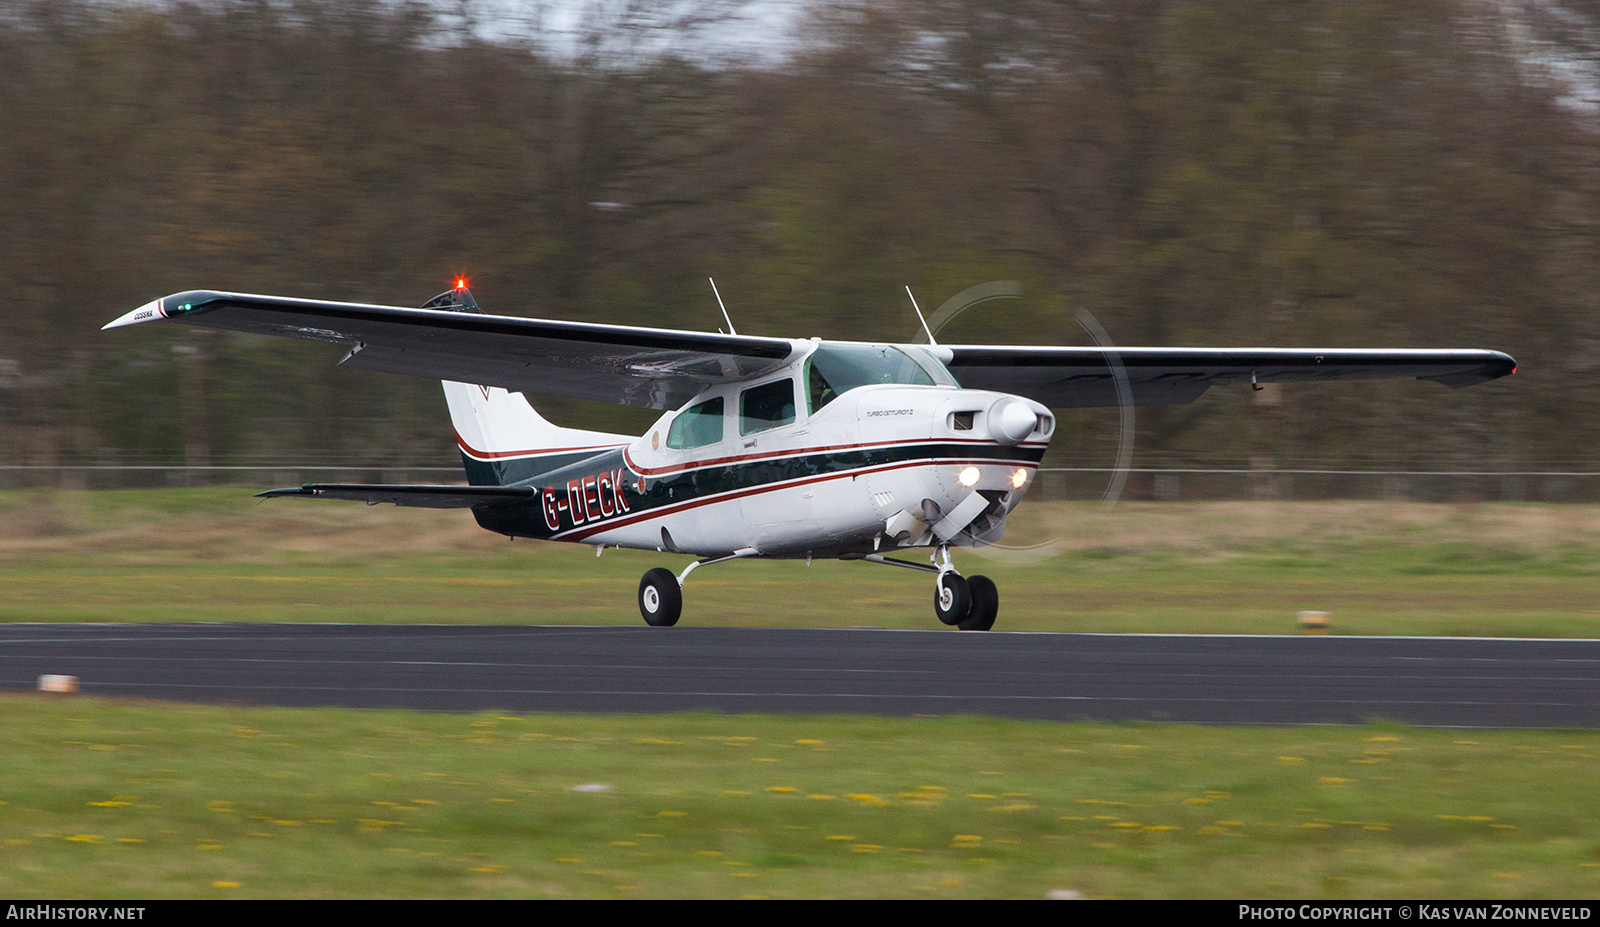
[649, 367]
[664, 369]
[1078, 377]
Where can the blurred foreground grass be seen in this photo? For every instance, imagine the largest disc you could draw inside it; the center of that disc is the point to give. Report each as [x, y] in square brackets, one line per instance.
[216, 554]
[106, 799]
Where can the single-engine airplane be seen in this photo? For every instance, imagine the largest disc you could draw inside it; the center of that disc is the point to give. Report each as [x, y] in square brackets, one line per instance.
[769, 447]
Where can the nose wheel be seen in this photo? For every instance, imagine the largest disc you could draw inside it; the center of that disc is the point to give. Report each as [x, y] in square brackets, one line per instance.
[968, 603]
[985, 604]
[952, 598]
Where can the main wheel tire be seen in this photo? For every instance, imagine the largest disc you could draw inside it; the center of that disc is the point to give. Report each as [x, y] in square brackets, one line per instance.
[952, 599]
[985, 604]
[660, 598]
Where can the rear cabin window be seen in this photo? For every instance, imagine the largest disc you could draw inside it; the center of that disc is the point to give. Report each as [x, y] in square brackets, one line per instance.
[697, 426]
[766, 406]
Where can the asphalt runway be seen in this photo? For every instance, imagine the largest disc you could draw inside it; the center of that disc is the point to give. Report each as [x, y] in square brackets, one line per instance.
[1063, 677]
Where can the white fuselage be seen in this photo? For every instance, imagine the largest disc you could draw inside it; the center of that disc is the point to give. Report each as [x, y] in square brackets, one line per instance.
[877, 468]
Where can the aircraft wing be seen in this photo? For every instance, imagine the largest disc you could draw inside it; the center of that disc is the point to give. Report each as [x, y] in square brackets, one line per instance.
[1078, 377]
[429, 497]
[650, 367]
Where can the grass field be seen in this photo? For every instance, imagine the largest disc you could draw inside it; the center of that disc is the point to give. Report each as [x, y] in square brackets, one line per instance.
[111, 799]
[1248, 567]
[108, 800]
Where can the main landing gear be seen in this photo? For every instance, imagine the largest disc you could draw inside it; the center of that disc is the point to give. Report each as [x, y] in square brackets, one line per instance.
[660, 598]
[661, 593]
[969, 603]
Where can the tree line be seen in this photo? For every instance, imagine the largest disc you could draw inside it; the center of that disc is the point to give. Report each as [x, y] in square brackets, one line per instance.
[1371, 173]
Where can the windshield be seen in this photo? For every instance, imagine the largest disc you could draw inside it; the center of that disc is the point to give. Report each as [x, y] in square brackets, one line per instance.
[834, 369]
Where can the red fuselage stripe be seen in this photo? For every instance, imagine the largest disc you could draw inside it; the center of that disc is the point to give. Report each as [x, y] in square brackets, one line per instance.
[800, 452]
[473, 452]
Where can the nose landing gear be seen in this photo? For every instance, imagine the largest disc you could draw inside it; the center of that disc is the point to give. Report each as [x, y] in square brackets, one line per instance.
[969, 603]
[952, 598]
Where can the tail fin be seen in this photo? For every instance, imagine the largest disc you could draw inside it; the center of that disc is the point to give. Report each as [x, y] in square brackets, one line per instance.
[502, 439]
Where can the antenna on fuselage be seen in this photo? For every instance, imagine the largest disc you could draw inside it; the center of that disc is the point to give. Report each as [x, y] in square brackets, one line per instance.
[924, 321]
[722, 307]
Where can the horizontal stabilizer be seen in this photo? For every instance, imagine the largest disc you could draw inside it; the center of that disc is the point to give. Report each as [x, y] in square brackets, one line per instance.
[428, 497]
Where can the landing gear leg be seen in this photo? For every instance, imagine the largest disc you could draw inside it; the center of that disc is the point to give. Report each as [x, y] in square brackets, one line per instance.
[952, 598]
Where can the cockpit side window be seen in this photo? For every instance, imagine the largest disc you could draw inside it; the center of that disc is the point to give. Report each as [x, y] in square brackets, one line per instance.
[697, 426]
[833, 369]
[766, 406]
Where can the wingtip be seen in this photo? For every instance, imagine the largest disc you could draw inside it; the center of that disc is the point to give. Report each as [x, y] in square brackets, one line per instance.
[148, 312]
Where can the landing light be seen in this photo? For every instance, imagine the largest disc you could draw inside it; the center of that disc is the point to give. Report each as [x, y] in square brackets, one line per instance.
[969, 476]
[1019, 477]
